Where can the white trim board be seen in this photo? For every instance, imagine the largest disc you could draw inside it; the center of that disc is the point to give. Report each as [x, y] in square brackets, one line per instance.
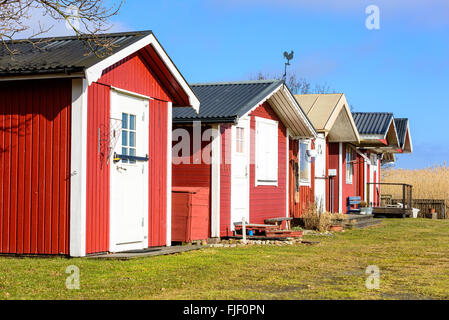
[169, 171]
[215, 190]
[78, 166]
[340, 177]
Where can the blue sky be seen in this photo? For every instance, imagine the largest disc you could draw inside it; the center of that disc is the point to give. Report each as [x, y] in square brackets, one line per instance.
[402, 68]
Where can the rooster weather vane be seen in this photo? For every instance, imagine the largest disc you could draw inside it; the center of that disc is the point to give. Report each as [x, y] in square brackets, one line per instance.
[288, 57]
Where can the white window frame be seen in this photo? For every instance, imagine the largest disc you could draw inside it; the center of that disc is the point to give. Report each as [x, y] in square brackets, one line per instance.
[303, 182]
[260, 181]
[349, 177]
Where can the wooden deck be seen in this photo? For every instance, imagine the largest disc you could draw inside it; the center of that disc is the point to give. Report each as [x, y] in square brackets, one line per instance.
[392, 212]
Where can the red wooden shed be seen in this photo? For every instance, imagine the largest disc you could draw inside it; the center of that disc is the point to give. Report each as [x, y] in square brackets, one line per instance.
[238, 146]
[85, 158]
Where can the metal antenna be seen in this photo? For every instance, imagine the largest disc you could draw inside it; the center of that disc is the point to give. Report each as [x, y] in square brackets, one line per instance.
[288, 57]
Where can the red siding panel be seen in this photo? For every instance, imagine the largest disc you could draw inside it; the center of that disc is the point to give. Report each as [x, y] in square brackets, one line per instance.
[158, 174]
[133, 74]
[98, 191]
[35, 119]
[191, 174]
[333, 163]
[225, 180]
[268, 201]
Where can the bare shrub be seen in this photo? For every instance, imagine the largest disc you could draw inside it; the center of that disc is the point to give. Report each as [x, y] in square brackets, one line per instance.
[313, 220]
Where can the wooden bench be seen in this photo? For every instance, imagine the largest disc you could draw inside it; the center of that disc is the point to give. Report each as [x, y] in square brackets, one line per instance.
[278, 221]
[354, 201]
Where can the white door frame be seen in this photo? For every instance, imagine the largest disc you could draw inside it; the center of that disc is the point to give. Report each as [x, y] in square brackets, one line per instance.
[320, 178]
[116, 113]
[245, 123]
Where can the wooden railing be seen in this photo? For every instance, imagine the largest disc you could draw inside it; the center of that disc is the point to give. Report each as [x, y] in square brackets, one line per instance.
[440, 206]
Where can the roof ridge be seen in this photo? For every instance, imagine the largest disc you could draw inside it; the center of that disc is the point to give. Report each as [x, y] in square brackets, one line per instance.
[74, 37]
[235, 82]
[359, 112]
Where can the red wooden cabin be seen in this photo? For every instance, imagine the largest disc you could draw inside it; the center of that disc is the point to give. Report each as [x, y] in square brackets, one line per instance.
[336, 163]
[238, 146]
[85, 158]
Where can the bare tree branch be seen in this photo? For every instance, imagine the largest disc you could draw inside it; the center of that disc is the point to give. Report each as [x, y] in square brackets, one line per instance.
[297, 85]
[88, 19]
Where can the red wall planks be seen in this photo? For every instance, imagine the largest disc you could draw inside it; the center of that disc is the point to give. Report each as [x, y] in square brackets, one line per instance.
[191, 174]
[225, 180]
[268, 201]
[158, 174]
[306, 194]
[97, 189]
[133, 74]
[333, 162]
[35, 120]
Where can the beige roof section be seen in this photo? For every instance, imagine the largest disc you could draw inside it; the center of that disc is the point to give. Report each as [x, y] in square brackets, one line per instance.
[330, 114]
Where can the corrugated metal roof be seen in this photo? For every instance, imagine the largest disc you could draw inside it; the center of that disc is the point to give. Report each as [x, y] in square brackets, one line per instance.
[226, 101]
[401, 128]
[372, 122]
[60, 54]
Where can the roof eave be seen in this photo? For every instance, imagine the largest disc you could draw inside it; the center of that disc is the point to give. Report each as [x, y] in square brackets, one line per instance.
[94, 73]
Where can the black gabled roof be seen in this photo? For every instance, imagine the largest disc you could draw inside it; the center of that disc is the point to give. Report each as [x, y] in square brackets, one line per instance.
[60, 54]
[372, 122]
[225, 101]
[401, 128]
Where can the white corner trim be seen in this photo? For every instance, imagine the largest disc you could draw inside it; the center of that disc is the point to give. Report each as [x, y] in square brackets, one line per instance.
[94, 73]
[78, 165]
[169, 171]
[216, 166]
[287, 176]
[340, 177]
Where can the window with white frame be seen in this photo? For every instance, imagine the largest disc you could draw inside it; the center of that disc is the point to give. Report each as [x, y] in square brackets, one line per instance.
[304, 162]
[350, 158]
[266, 152]
[128, 136]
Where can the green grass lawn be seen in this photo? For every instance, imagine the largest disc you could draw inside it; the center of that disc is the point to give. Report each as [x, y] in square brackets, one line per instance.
[413, 257]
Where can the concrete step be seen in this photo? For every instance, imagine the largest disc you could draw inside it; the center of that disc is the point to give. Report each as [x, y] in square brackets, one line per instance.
[356, 218]
[363, 224]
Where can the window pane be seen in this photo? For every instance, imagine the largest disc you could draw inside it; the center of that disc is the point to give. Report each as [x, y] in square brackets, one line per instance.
[132, 139]
[124, 138]
[132, 152]
[132, 122]
[125, 153]
[124, 120]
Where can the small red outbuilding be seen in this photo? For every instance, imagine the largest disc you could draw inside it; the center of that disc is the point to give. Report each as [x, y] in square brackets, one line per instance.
[238, 147]
[85, 158]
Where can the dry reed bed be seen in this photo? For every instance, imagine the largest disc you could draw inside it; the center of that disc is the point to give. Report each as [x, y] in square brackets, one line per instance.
[430, 183]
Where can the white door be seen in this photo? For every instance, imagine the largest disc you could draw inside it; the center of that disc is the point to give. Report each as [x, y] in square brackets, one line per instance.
[129, 176]
[320, 173]
[240, 172]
